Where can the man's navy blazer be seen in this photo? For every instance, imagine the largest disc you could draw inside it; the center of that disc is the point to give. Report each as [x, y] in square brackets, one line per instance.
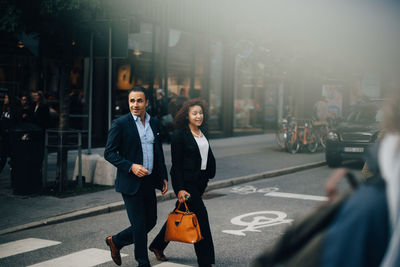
[124, 148]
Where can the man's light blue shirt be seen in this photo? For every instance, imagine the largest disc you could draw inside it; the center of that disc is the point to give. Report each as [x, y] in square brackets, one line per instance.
[147, 140]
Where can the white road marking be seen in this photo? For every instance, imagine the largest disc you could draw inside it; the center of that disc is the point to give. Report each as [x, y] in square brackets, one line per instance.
[85, 258]
[24, 245]
[170, 264]
[259, 220]
[297, 196]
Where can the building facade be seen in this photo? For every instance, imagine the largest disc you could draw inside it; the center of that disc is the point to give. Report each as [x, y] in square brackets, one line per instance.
[249, 76]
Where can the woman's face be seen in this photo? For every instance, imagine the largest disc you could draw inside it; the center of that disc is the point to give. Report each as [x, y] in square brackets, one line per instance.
[195, 116]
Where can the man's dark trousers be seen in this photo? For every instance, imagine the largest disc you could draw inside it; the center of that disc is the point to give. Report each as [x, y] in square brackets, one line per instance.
[142, 213]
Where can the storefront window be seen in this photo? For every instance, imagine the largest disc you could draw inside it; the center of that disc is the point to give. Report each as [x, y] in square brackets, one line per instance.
[186, 68]
[255, 93]
[136, 69]
[180, 56]
[215, 86]
[247, 93]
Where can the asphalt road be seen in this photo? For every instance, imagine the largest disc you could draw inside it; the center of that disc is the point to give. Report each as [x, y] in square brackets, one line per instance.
[245, 219]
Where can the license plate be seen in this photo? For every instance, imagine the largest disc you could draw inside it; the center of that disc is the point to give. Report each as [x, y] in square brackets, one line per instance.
[354, 149]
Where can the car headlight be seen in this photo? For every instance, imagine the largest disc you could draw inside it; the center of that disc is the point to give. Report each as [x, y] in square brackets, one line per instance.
[333, 136]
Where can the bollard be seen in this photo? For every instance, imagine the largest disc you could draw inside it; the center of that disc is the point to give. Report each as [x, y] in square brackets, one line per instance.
[79, 159]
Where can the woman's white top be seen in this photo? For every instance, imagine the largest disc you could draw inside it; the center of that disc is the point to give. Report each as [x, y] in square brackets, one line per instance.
[203, 145]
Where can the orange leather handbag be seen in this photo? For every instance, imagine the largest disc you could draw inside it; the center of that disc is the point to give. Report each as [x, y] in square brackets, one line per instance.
[182, 226]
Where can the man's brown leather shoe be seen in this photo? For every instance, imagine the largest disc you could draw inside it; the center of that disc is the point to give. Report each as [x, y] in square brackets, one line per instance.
[159, 254]
[115, 255]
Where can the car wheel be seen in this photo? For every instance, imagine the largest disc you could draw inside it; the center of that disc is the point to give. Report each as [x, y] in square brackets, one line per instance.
[333, 160]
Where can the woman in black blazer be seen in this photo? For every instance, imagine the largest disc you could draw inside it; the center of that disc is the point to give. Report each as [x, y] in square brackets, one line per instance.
[193, 164]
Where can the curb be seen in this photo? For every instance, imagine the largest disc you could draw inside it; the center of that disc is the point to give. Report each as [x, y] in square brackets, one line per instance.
[116, 206]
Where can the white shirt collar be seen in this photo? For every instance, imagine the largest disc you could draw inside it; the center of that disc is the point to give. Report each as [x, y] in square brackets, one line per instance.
[146, 117]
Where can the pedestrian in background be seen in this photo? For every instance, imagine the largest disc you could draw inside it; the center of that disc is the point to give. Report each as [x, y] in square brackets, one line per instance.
[25, 105]
[163, 115]
[39, 110]
[134, 147]
[193, 164]
[176, 102]
[9, 118]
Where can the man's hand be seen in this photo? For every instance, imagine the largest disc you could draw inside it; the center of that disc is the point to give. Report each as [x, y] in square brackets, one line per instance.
[165, 187]
[181, 196]
[139, 170]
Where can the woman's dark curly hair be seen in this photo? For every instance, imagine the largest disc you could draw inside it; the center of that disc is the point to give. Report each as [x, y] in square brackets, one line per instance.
[181, 119]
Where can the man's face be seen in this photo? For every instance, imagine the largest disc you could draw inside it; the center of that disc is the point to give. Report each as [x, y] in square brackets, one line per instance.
[137, 103]
[35, 97]
[24, 100]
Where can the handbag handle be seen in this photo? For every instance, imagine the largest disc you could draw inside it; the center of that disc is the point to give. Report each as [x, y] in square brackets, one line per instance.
[186, 207]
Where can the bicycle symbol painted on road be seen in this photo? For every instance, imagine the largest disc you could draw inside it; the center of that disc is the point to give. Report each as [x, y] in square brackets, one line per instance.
[260, 219]
[250, 189]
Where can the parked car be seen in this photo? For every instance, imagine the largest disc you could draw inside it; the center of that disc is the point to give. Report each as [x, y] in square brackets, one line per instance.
[352, 136]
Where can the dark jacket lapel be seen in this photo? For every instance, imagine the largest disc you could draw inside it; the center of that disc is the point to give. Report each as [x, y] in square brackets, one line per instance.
[133, 130]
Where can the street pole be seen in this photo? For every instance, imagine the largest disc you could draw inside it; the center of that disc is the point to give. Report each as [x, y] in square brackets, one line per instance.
[90, 120]
[280, 100]
[109, 75]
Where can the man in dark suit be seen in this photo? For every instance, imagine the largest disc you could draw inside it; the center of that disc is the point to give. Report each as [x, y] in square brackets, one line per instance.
[39, 111]
[134, 147]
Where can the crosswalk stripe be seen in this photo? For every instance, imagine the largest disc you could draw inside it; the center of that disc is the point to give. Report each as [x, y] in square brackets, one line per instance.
[85, 258]
[24, 245]
[170, 264]
[297, 196]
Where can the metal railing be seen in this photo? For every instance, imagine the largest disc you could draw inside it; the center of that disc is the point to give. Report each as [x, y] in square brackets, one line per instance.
[63, 137]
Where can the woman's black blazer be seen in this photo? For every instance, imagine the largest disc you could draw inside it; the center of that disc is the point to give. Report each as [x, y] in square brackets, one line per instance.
[186, 159]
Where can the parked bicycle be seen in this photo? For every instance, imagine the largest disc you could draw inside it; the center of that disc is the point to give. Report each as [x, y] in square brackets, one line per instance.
[301, 135]
[281, 133]
[321, 131]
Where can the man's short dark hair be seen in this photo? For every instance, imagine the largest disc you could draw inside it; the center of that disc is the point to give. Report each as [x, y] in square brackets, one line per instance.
[139, 89]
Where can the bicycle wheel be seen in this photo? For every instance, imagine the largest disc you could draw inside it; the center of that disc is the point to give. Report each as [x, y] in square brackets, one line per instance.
[322, 141]
[292, 143]
[323, 136]
[280, 137]
[312, 146]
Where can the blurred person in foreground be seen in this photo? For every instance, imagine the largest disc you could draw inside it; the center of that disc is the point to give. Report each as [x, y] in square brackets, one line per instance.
[366, 231]
[389, 164]
[193, 164]
[134, 147]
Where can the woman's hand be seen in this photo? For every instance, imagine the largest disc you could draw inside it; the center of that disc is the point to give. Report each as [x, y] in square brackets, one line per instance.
[181, 195]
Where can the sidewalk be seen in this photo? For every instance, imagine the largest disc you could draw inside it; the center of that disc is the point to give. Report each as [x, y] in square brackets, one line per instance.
[23, 212]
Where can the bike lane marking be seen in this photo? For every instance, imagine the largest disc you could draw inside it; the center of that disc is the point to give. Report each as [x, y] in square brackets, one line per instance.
[273, 192]
[260, 219]
[296, 196]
